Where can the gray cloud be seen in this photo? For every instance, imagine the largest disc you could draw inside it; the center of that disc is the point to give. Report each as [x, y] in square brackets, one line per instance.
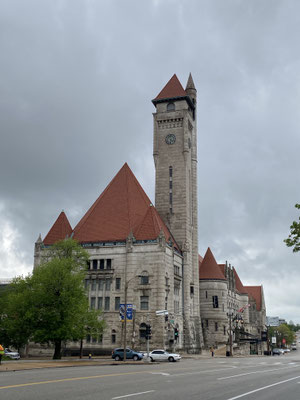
[76, 83]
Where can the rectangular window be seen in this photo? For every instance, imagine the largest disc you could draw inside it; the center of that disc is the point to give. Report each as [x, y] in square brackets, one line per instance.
[107, 304]
[118, 283]
[101, 264]
[215, 302]
[224, 330]
[144, 280]
[94, 284]
[108, 284]
[144, 302]
[100, 338]
[206, 294]
[216, 326]
[93, 303]
[87, 284]
[101, 284]
[170, 172]
[88, 264]
[206, 323]
[113, 338]
[117, 303]
[95, 264]
[192, 289]
[170, 184]
[108, 263]
[171, 198]
[88, 338]
[100, 303]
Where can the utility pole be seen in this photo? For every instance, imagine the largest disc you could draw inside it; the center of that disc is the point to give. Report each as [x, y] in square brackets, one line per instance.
[230, 335]
[125, 322]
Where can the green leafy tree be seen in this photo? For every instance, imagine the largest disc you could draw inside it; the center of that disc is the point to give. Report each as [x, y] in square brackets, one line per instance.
[282, 332]
[53, 300]
[15, 315]
[294, 237]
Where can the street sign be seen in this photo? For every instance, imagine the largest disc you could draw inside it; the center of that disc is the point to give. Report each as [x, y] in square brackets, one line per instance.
[162, 312]
[122, 312]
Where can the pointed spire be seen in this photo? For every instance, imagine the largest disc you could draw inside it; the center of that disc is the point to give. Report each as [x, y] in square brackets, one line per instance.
[39, 239]
[59, 231]
[173, 89]
[190, 83]
[209, 268]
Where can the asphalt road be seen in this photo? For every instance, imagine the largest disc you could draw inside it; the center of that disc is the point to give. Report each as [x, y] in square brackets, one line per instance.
[259, 378]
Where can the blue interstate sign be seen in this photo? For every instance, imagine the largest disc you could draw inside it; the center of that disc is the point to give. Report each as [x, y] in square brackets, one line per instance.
[128, 314]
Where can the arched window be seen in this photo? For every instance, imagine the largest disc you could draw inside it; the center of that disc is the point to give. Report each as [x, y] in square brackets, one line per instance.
[170, 107]
[142, 330]
[113, 336]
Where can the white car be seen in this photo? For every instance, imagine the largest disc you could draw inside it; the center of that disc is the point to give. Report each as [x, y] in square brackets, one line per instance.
[14, 355]
[162, 355]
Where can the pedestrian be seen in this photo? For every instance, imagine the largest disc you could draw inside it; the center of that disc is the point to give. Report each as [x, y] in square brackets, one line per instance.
[212, 350]
[1, 352]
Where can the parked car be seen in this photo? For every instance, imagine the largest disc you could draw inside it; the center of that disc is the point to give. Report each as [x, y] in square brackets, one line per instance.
[118, 354]
[293, 346]
[14, 355]
[286, 350]
[162, 355]
[277, 352]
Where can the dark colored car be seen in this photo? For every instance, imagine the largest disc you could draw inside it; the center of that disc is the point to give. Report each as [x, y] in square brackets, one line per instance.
[118, 355]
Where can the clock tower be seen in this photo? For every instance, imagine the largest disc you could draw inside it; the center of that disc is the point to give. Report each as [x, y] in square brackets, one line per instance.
[175, 158]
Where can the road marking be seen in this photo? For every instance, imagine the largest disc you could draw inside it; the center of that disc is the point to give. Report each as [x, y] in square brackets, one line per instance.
[203, 372]
[263, 388]
[160, 373]
[132, 394]
[71, 379]
[254, 372]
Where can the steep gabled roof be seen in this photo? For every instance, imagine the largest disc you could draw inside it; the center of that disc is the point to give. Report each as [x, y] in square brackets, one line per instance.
[122, 208]
[256, 293]
[238, 283]
[173, 89]
[59, 231]
[209, 268]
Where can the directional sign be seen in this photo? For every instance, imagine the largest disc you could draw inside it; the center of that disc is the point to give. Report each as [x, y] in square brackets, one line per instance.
[128, 314]
[162, 312]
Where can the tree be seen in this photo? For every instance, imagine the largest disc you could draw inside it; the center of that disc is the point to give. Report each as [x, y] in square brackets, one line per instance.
[293, 239]
[15, 316]
[54, 299]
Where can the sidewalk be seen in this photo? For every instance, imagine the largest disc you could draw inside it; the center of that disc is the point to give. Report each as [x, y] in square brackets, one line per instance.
[24, 364]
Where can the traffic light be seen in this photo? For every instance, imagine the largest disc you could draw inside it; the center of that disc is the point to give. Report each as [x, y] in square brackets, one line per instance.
[176, 334]
[148, 331]
[264, 336]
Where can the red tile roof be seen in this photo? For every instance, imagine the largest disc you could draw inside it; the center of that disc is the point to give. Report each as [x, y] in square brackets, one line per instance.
[238, 283]
[122, 208]
[172, 89]
[209, 268]
[59, 231]
[256, 293]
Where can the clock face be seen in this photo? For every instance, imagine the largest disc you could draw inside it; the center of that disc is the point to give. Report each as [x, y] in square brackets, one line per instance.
[171, 138]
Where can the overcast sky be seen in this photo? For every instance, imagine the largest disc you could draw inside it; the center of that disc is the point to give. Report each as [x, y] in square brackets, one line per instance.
[76, 83]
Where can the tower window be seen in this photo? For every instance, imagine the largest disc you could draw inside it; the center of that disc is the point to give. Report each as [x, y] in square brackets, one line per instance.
[170, 107]
[170, 172]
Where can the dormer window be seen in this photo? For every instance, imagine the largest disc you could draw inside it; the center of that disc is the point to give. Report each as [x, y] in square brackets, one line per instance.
[170, 107]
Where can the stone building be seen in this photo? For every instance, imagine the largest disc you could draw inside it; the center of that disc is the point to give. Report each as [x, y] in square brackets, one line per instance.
[143, 255]
[226, 302]
[146, 256]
